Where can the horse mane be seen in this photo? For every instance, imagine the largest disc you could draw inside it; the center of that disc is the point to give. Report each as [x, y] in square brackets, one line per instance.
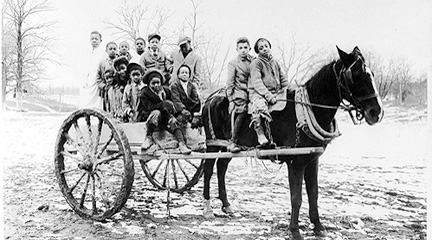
[322, 79]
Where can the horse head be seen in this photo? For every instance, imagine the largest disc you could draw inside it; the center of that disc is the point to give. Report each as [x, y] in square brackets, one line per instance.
[357, 86]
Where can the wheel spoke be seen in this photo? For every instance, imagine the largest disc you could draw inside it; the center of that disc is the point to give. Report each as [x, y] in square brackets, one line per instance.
[78, 131]
[109, 158]
[105, 145]
[105, 200]
[174, 174]
[76, 184]
[157, 169]
[70, 170]
[166, 173]
[74, 143]
[98, 136]
[191, 163]
[182, 170]
[75, 157]
[81, 204]
[87, 119]
[94, 194]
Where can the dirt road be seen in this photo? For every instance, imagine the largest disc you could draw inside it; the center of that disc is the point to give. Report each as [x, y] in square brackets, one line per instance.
[368, 190]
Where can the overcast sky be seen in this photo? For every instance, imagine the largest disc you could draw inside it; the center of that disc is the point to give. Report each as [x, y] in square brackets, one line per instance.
[396, 28]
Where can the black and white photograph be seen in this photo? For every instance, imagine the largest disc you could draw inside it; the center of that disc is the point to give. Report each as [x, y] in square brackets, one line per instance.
[228, 120]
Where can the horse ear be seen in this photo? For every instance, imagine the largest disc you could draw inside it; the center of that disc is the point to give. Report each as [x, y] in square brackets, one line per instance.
[356, 49]
[343, 55]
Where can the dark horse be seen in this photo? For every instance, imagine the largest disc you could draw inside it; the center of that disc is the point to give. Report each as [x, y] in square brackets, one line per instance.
[346, 79]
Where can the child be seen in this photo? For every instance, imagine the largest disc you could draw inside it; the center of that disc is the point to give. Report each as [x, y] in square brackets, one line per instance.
[185, 96]
[187, 56]
[120, 65]
[236, 86]
[132, 92]
[124, 50]
[266, 81]
[114, 94]
[105, 64]
[155, 107]
[140, 45]
[155, 58]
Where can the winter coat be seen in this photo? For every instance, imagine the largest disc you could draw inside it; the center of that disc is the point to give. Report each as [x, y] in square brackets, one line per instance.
[266, 78]
[193, 60]
[238, 76]
[149, 101]
[160, 62]
[181, 100]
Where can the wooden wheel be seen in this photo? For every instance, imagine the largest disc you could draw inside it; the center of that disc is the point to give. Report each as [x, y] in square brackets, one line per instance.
[93, 164]
[178, 175]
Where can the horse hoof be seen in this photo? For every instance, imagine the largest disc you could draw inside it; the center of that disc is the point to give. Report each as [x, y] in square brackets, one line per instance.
[320, 232]
[296, 235]
[209, 215]
[228, 210]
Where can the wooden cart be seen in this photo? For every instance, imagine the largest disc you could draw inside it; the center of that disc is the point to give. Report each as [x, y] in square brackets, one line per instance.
[94, 162]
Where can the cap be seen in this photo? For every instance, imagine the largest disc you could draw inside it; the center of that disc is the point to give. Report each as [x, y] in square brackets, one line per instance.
[183, 39]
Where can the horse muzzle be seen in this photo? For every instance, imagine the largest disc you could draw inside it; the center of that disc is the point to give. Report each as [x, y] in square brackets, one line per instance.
[374, 111]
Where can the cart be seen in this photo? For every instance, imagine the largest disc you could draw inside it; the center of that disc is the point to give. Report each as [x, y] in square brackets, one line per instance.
[94, 161]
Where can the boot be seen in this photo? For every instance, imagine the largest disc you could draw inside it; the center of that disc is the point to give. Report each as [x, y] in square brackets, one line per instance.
[232, 146]
[148, 142]
[262, 139]
[184, 149]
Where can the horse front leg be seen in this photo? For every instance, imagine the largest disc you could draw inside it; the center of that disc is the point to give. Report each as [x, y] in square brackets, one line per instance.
[295, 177]
[311, 180]
[222, 167]
[208, 172]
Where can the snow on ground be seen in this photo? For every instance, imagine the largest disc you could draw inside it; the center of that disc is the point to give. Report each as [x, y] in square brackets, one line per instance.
[370, 176]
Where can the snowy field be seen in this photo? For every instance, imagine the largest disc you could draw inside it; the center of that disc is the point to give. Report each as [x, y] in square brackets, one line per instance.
[373, 185]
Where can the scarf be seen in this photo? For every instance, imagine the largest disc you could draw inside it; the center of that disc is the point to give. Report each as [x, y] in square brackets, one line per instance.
[154, 53]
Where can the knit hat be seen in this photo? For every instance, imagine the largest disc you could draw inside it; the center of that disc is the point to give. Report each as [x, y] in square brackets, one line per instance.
[119, 60]
[154, 35]
[256, 44]
[150, 74]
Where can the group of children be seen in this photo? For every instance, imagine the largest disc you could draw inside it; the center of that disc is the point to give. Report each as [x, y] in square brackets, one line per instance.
[148, 86]
[138, 89]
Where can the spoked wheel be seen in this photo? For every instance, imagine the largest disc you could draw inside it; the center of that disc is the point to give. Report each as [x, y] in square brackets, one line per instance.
[93, 164]
[178, 175]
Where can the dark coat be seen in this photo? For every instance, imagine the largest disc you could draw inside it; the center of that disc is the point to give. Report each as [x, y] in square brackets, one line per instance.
[149, 101]
[190, 102]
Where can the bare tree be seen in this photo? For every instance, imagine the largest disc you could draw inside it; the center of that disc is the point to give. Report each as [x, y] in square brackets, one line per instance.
[298, 62]
[138, 21]
[382, 72]
[32, 46]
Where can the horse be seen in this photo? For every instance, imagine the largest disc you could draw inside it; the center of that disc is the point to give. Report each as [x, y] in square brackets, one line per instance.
[346, 82]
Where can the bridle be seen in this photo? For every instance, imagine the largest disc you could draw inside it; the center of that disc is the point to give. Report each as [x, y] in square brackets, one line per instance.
[354, 103]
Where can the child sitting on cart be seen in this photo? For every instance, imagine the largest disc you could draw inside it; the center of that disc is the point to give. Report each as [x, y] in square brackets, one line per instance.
[155, 107]
[185, 97]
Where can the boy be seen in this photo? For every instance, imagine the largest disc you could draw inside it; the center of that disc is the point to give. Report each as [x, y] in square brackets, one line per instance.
[105, 64]
[185, 96]
[155, 107]
[132, 92]
[155, 58]
[114, 94]
[186, 56]
[237, 92]
[89, 92]
[124, 50]
[266, 81]
[139, 49]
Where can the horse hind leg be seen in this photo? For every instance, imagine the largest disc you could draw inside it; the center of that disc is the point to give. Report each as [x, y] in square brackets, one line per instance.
[222, 166]
[295, 177]
[208, 172]
[311, 181]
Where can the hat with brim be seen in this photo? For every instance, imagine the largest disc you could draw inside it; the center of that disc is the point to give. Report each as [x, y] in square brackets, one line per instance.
[183, 40]
[133, 66]
[150, 74]
[154, 35]
[120, 60]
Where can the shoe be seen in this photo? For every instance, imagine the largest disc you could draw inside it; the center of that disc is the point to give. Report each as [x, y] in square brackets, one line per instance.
[233, 147]
[262, 140]
[148, 142]
[184, 149]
